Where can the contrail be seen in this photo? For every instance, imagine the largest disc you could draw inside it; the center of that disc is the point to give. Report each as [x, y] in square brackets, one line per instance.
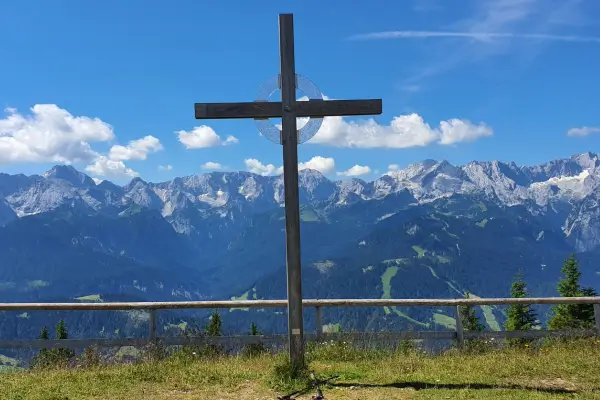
[473, 35]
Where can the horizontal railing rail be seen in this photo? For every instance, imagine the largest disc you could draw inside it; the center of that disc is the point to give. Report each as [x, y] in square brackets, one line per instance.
[458, 334]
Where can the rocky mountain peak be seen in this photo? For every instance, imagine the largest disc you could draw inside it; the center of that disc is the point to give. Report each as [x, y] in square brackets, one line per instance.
[69, 174]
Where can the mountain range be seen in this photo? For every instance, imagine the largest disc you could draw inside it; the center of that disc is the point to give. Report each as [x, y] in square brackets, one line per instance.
[431, 230]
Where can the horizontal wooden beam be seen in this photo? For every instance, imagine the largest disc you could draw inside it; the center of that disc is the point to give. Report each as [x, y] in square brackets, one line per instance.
[180, 305]
[266, 109]
[369, 337]
[330, 108]
[311, 108]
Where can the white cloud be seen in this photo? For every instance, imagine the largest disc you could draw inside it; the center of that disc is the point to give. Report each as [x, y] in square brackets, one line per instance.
[136, 149]
[404, 131]
[324, 165]
[231, 140]
[50, 134]
[482, 36]
[211, 165]
[165, 167]
[393, 167]
[523, 28]
[103, 166]
[356, 170]
[112, 166]
[256, 167]
[583, 131]
[202, 137]
[97, 181]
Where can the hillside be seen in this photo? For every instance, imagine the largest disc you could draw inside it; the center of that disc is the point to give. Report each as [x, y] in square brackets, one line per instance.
[430, 230]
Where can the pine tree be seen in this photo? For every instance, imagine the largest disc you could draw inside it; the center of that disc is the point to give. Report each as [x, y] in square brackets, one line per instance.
[44, 334]
[61, 330]
[254, 349]
[214, 326]
[254, 330]
[62, 355]
[520, 316]
[571, 316]
[470, 322]
[586, 311]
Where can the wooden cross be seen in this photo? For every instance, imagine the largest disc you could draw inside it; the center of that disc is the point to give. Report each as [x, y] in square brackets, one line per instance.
[289, 109]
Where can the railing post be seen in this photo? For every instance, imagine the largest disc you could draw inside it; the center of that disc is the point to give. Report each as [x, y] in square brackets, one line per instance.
[460, 335]
[597, 318]
[152, 325]
[319, 322]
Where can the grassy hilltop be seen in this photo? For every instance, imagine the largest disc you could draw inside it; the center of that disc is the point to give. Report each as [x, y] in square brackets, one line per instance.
[552, 370]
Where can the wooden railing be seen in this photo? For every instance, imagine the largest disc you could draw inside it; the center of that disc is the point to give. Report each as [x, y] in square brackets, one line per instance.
[152, 307]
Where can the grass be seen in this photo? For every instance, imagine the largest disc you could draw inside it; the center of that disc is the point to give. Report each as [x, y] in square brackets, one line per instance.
[386, 279]
[482, 223]
[444, 320]
[419, 250]
[558, 371]
[90, 297]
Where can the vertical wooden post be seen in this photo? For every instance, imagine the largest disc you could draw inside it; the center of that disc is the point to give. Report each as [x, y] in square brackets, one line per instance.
[319, 322]
[460, 335]
[289, 140]
[152, 325]
[597, 318]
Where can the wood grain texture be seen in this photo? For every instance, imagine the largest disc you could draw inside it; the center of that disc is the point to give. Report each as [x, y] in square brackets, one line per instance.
[289, 140]
[260, 110]
[312, 108]
[460, 333]
[324, 108]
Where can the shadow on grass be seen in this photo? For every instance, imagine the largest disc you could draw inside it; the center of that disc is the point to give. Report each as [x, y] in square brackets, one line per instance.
[457, 386]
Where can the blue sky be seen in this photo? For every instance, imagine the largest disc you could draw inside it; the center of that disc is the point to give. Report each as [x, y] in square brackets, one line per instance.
[110, 86]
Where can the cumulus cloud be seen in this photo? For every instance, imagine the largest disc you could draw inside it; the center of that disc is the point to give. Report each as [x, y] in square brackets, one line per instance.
[324, 165]
[203, 136]
[165, 167]
[104, 166]
[53, 134]
[583, 131]
[404, 131]
[136, 149]
[393, 167]
[356, 170]
[112, 165]
[50, 134]
[211, 165]
[256, 167]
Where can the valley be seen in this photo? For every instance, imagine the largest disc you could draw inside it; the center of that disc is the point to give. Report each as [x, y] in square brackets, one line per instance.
[432, 230]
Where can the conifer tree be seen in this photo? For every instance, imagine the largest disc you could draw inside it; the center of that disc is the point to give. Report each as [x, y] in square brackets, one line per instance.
[61, 330]
[44, 334]
[62, 354]
[254, 330]
[520, 316]
[214, 325]
[586, 311]
[470, 322]
[571, 316]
